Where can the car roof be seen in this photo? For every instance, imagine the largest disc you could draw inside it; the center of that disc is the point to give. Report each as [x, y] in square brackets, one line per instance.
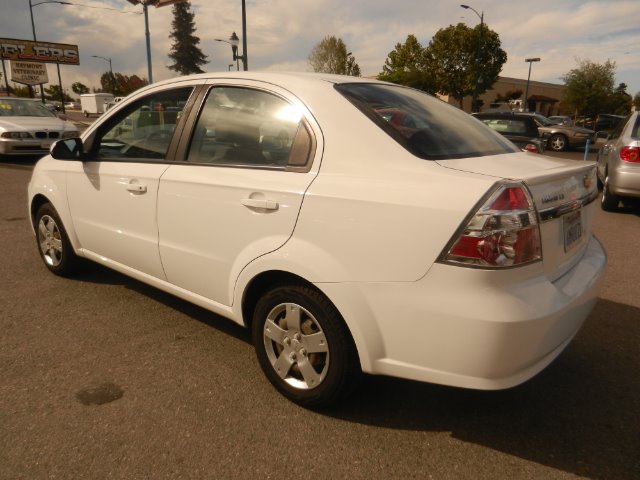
[288, 80]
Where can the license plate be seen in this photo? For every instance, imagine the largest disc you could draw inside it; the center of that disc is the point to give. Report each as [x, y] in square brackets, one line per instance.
[572, 229]
[46, 145]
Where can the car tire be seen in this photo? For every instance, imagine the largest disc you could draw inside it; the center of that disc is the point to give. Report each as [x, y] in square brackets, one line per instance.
[304, 347]
[53, 242]
[558, 142]
[609, 202]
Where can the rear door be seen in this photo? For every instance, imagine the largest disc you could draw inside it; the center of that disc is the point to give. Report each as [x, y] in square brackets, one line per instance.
[236, 196]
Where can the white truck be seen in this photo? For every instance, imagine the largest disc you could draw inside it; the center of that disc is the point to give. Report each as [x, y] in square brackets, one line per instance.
[94, 103]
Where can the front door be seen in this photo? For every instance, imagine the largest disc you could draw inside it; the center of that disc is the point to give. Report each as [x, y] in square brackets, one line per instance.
[113, 194]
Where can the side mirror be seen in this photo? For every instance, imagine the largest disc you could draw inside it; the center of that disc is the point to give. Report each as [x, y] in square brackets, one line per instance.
[68, 149]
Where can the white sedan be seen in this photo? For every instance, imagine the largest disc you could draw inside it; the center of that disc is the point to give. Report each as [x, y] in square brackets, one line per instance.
[28, 128]
[287, 203]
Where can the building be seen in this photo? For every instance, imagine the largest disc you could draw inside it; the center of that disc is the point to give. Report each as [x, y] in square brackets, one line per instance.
[545, 98]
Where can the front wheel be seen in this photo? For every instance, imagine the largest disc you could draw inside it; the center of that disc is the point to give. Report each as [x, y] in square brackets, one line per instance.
[53, 243]
[304, 346]
[558, 142]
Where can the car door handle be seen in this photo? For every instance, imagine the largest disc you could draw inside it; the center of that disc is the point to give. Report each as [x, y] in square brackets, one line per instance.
[259, 203]
[136, 187]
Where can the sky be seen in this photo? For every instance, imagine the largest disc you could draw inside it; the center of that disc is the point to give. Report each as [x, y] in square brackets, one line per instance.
[282, 33]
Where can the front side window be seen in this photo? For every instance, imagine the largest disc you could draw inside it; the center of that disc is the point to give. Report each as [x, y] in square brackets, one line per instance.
[427, 127]
[144, 130]
[246, 127]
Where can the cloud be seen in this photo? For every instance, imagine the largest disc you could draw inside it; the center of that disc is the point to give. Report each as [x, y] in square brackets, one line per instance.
[282, 33]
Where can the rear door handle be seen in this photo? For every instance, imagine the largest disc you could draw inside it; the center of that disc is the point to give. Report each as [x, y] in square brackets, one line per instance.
[259, 203]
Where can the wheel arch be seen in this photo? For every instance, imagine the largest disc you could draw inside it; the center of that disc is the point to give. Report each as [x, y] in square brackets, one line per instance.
[36, 202]
[267, 280]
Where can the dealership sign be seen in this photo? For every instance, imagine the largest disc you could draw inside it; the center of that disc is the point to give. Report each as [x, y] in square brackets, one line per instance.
[29, 73]
[26, 50]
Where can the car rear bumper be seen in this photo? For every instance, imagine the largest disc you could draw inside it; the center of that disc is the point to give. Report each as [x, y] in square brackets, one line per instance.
[625, 182]
[468, 327]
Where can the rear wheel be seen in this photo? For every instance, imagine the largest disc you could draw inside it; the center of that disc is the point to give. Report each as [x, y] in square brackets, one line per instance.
[53, 243]
[609, 202]
[303, 346]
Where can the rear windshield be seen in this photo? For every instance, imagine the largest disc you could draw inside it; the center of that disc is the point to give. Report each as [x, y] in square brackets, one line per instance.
[427, 127]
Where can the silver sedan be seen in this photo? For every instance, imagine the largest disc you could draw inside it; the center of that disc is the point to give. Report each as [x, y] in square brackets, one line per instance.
[619, 164]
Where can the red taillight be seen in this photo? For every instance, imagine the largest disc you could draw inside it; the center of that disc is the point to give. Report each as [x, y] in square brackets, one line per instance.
[530, 147]
[511, 198]
[503, 233]
[630, 154]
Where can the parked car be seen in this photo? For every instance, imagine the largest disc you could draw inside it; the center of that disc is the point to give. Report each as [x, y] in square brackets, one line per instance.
[72, 105]
[560, 137]
[446, 256]
[520, 129]
[561, 120]
[619, 164]
[113, 102]
[607, 123]
[28, 128]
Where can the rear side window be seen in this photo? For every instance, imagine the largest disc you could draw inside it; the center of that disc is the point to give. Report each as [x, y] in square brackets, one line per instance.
[252, 128]
[506, 126]
[427, 127]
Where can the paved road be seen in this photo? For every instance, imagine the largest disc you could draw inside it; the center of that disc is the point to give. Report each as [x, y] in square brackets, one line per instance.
[104, 377]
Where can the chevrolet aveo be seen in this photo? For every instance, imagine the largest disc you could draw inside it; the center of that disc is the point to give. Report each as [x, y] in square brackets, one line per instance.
[290, 205]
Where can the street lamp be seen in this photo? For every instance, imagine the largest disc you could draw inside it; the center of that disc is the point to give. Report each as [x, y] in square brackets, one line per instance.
[234, 41]
[478, 76]
[33, 28]
[526, 91]
[111, 78]
[145, 4]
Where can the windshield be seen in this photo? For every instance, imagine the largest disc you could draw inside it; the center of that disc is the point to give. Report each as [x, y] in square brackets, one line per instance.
[427, 127]
[543, 121]
[23, 107]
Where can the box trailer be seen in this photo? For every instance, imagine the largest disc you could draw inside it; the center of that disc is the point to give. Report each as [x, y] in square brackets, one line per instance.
[94, 103]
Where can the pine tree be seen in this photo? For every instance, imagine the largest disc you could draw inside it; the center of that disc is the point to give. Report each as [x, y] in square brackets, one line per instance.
[185, 52]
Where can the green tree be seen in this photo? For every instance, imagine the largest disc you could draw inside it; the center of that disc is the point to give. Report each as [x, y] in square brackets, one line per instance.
[464, 60]
[52, 92]
[406, 65]
[620, 101]
[79, 88]
[108, 83]
[330, 56]
[121, 85]
[590, 87]
[185, 52]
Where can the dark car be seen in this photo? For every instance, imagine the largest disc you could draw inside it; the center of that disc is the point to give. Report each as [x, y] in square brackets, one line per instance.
[520, 129]
[560, 137]
[607, 122]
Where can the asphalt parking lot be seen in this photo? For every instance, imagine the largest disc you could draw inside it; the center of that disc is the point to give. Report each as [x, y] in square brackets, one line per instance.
[104, 377]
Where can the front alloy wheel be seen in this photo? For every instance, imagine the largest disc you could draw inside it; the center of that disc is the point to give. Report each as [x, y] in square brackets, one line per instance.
[557, 142]
[303, 346]
[53, 243]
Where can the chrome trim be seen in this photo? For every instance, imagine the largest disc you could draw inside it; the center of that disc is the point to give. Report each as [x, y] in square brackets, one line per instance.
[555, 212]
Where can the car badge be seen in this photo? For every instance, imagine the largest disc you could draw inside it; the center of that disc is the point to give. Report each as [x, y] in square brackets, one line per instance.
[587, 181]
